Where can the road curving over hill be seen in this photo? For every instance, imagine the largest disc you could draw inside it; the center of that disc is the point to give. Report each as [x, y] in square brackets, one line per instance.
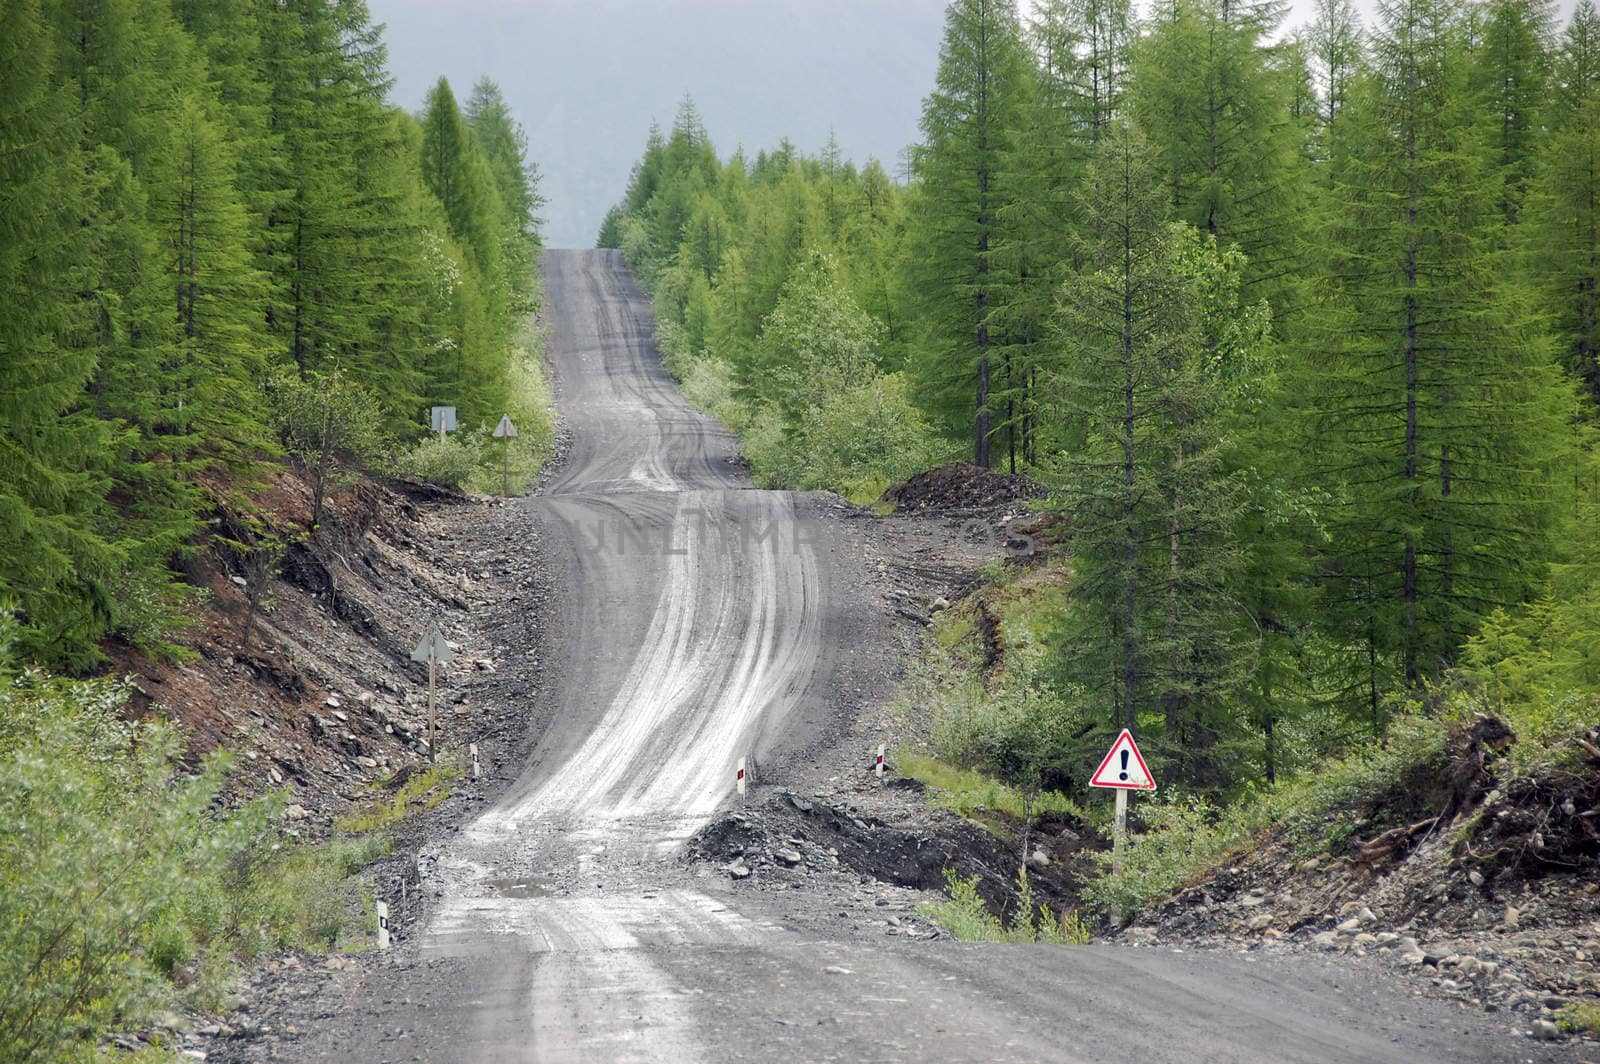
[704, 621]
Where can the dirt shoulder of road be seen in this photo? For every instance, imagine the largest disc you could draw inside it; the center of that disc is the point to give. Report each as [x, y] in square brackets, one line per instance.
[326, 706]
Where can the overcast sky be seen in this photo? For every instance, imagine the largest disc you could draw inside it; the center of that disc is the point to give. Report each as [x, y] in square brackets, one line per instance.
[586, 77]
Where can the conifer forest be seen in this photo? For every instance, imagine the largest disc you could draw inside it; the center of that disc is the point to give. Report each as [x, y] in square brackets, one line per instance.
[1297, 325]
[1117, 577]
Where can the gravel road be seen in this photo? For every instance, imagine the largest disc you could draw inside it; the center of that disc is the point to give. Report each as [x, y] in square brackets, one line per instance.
[704, 621]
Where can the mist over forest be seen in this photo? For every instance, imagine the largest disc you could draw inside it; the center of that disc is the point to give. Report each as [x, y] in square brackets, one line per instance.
[587, 78]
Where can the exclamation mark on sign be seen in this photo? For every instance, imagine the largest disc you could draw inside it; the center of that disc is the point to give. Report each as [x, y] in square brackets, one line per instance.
[1124, 774]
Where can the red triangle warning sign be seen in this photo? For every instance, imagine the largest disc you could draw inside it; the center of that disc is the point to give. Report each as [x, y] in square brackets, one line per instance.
[1124, 767]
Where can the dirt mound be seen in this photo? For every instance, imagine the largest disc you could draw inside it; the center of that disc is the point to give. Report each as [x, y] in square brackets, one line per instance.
[826, 834]
[961, 486]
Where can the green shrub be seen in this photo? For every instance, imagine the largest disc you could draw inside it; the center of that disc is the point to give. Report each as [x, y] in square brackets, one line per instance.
[965, 915]
[124, 874]
[967, 918]
[302, 895]
[860, 436]
[529, 406]
[448, 463]
[108, 863]
[1381, 779]
[426, 789]
[1180, 835]
[967, 792]
[474, 459]
[330, 426]
[708, 384]
[1580, 1017]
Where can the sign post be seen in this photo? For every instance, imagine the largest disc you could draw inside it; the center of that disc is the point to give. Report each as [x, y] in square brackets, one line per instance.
[434, 651]
[443, 420]
[1120, 832]
[1122, 770]
[505, 432]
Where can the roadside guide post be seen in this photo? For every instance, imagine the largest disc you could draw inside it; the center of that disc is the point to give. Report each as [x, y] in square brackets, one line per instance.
[383, 926]
[1123, 770]
[433, 651]
[739, 779]
[443, 420]
[505, 432]
[877, 766]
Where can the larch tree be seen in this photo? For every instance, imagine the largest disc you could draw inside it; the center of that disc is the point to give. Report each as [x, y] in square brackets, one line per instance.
[504, 146]
[216, 293]
[969, 124]
[1215, 104]
[129, 66]
[1437, 409]
[1335, 46]
[1080, 52]
[1511, 74]
[55, 566]
[1147, 639]
[1562, 240]
[457, 176]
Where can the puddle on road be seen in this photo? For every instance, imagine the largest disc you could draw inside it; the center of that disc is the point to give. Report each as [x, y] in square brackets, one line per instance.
[520, 887]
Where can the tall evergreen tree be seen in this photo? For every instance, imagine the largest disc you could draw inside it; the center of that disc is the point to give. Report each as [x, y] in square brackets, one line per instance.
[216, 294]
[457, 176]
[1437, 411]
[1080, 50]
[504, 146]
[1512, 71]
[1563, 241]
[1148, 640]
[1217, 108]
[1335, 47]
[55, 567]
[969, 123]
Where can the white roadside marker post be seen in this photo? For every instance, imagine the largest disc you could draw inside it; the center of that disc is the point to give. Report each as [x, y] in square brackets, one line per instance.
[739, 781]
[383, 926]
[477, 769]
[877, 767]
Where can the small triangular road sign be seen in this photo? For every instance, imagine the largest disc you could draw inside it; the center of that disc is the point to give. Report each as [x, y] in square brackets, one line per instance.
[1124, 767]
[505, 430]
[433, 645]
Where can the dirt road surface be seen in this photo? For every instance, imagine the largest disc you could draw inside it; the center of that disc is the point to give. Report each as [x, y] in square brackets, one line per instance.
[703, 621]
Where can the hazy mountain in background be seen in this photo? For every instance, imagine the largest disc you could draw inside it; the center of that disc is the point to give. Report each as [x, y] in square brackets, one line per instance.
[587, 76]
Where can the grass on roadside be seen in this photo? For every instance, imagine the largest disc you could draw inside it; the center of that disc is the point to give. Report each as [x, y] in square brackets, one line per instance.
[968, 919]
[1580, 1017]
[422, 791]
[969, 793]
